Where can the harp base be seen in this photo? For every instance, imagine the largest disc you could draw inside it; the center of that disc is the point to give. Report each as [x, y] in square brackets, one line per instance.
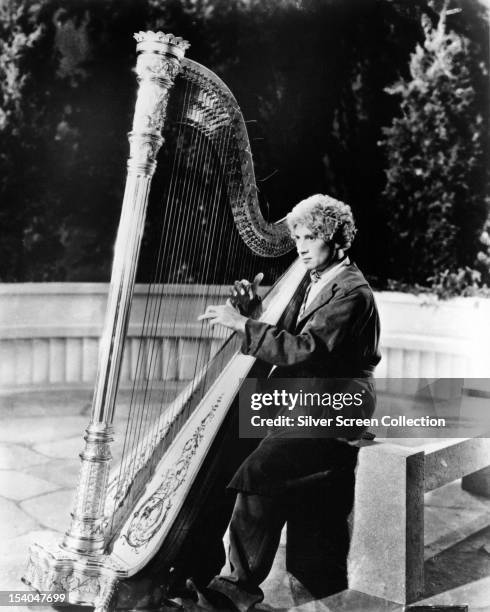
[93, 546]
[89, 581]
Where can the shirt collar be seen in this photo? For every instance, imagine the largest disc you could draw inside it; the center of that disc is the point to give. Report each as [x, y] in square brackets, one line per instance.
[316, 276]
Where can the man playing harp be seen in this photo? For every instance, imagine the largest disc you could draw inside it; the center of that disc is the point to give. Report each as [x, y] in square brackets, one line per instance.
[334, 334]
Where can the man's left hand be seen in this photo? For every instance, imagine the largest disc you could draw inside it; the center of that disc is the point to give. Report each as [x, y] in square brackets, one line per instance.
[244, 294]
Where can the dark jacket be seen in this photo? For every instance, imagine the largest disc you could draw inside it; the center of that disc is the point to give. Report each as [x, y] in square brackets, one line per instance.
[336, 337]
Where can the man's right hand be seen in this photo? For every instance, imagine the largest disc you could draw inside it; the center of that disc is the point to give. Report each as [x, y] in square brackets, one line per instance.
[244, 294]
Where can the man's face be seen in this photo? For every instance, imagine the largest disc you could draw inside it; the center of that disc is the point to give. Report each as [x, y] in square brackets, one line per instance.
[313, 252]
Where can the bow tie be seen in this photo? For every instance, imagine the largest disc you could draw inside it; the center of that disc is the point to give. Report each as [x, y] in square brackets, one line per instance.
[315, 276]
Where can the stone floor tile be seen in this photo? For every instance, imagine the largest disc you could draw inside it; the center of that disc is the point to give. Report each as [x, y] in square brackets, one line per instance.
[14, 521]
[445, 527]
[277, 586]
[28, 430]
[57, 402]
[309, 606]
[476, 594]
[62, 402]
[354, 601]
[457, 576]
[312, 606]
[51, 510]
[57, 462]
[62, 472]
[461, 574]
[18, 486]
[12, 567]
[18, 457]
[452, 495]
[68, 448]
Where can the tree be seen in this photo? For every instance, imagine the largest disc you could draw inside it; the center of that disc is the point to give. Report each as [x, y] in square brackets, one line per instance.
[308, 75]
[62, 153]
[436, 179]
[19, 34]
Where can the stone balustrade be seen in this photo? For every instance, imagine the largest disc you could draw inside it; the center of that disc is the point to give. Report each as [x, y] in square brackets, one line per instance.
[49, 334]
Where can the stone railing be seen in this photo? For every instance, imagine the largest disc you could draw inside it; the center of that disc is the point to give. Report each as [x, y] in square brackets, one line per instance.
[49, 335]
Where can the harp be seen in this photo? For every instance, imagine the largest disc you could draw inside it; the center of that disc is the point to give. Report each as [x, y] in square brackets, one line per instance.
[123, 516]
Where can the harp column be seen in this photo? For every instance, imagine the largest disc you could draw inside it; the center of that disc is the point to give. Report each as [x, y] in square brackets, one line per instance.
[158, 63]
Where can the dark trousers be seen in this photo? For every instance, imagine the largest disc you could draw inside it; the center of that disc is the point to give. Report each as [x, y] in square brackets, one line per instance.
[316, 510]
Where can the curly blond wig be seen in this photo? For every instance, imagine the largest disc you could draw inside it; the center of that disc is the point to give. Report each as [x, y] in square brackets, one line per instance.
[326, 217]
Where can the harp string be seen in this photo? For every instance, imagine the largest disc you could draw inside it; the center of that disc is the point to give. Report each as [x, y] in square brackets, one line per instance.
[200, 154]
[147, 376]
[211, 201]
[213, 155]
[189, 193]
[200, 158]
[232, 239]
[174, 195]
[184, 220]
[217, 226]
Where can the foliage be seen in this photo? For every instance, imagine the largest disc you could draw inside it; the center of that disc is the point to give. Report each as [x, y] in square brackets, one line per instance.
[309, 77]
[436, 177]
[483, 257]
[20, 131]
[61, 188]
[465, 282]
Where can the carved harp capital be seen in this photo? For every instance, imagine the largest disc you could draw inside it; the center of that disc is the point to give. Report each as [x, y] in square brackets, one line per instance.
[158, 64]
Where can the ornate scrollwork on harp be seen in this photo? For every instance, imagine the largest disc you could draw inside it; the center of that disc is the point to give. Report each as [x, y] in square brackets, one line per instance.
[120, 521]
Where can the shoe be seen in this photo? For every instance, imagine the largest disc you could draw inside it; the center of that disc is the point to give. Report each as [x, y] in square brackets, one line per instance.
[243, 599]
[209, 599]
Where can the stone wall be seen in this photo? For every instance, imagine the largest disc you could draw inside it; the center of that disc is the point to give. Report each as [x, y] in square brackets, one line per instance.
[49, 335]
